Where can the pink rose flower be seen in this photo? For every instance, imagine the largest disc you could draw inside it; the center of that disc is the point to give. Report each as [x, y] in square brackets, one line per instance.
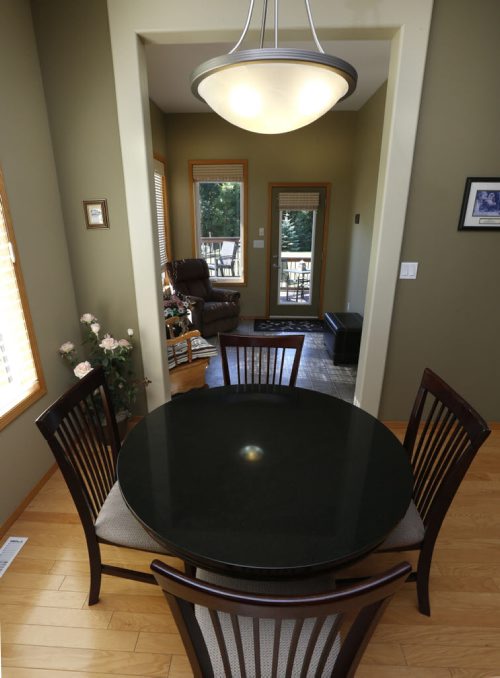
[67, 347]
[82, 369]
[108, 343]
[87, 318]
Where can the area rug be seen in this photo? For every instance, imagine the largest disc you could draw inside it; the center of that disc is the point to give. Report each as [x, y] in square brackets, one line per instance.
[288, 325]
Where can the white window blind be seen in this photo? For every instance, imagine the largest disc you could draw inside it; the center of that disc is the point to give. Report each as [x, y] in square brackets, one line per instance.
[214, 172]
[18, 373]
[161, 212]
[299, 201]
[160, 215]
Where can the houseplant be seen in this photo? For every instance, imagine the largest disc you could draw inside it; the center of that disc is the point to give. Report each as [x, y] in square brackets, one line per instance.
[115, 357]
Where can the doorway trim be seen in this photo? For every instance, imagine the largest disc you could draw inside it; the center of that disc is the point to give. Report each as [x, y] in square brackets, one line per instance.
[297, 184]
[406, 24]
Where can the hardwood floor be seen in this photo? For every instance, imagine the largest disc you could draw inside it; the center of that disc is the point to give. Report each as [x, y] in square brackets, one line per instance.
[48, 631]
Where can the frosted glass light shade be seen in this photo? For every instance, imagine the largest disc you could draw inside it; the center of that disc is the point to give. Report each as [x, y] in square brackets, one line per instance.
[277, 91]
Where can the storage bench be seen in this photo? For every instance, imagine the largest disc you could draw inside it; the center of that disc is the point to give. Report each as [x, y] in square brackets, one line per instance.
[343, 336]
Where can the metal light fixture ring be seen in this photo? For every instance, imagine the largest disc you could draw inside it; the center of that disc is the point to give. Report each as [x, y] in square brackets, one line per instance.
[274, 54]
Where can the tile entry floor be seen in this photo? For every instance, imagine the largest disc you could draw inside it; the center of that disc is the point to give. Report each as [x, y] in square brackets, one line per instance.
[317, 371]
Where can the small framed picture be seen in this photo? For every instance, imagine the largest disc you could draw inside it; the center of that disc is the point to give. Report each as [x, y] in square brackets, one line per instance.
[481, 205]
[96, 213]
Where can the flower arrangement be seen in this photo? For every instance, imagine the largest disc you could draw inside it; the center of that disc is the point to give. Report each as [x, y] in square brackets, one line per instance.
[113, 354]
[180, 309]
[176, 307]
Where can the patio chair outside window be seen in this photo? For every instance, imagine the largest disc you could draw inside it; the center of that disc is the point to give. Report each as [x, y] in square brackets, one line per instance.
[227, 258]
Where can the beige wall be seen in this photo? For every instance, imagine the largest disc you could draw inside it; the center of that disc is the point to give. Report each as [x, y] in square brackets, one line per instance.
[369, 125]
[75, 57]
[321, 152]
[448, 318]
[158, 135]
[31, 183]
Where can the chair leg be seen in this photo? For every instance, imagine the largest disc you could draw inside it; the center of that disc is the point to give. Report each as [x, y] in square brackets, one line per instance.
[95, 572]
[422, 579]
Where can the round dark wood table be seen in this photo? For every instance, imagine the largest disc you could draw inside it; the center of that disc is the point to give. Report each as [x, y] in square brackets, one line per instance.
[264, 481]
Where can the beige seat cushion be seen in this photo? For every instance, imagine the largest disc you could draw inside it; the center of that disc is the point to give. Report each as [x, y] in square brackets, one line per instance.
[117, 525]
[408, 532]
[319, 584]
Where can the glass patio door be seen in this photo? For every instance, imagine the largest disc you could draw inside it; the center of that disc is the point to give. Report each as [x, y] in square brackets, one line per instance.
[298, 216]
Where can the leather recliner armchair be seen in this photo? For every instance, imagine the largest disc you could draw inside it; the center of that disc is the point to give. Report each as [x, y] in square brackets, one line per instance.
[213, 309]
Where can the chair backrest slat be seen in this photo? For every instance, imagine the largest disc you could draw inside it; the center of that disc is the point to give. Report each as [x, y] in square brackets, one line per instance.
[452, 451]
[97, 440]
[82, 460]
[84, 448]
[313, 640]
[275, 362]
[239, 644]
[264, 359]
[329, 642]
[432, 448]
[256, 646]
[276, 646]
[282, 364]
[297, 630]
[90, 439]
[443, 436]
[294, 634]
[221, 641]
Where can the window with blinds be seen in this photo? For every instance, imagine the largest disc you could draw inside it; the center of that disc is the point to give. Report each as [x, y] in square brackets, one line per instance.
[220, 207]
[21, 380]
[162, 220]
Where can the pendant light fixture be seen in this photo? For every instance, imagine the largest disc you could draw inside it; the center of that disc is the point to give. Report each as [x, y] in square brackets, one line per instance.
[271, 90]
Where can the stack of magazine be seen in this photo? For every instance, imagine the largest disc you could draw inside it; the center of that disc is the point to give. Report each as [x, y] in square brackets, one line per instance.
[200, 348]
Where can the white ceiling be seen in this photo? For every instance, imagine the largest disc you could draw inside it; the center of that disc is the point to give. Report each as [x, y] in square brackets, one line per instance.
[170, 67]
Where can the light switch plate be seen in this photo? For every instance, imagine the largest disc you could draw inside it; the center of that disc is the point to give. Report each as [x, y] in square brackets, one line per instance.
[261, 231]
[408, 270]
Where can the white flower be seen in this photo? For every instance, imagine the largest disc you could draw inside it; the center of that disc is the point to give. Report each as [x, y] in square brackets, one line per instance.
[130, 332]
[82, 369]
[95, 327]
[124, 343]
[87, 318]
[67, 347]
[108, 343]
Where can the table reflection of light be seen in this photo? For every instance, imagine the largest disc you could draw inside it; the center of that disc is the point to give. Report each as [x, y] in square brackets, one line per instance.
[251, 452]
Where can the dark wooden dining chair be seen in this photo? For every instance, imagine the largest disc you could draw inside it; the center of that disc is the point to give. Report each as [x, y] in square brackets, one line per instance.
[443, 436]
[229, 632]
[81, 430]
[255, 359]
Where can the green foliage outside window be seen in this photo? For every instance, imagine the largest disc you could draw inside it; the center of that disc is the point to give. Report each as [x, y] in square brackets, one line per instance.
[220, 209]
[296, 231]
